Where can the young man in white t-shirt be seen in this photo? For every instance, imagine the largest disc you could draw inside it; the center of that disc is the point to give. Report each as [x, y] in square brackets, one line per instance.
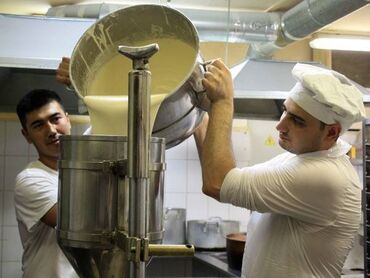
[43, 120]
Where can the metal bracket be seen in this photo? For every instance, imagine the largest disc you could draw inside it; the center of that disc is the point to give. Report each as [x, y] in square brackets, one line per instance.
[137, 249]
[117, 167]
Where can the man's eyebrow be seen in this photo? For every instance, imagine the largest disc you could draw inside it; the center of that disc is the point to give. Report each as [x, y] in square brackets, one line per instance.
[292, 114]
[40, 120]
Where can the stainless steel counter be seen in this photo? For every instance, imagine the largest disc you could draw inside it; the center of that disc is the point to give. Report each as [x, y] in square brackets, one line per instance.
[203, 264]
[218, 260]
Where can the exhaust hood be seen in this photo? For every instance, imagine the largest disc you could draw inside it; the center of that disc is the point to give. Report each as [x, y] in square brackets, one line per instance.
[30, 52]
[261, 86]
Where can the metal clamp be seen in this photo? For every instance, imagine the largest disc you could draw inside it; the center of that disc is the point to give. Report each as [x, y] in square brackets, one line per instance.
[139, 249]
[117, 167]
[135, 248]
[106, 166]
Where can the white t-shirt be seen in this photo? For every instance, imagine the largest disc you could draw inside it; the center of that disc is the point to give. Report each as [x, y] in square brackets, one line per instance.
[311, 211]
[36, 192]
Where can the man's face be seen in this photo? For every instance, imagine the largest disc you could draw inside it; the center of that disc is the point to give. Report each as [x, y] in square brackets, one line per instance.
[299, 132]
[43, 128]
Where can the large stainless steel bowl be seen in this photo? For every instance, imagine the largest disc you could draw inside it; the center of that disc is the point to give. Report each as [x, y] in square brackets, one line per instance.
[179, 114]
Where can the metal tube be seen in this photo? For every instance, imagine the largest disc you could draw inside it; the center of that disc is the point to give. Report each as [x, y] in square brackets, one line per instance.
[138, 158]
[302, 20]
[311, 15]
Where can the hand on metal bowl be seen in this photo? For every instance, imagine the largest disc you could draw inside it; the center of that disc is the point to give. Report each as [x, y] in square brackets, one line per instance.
[62, 74]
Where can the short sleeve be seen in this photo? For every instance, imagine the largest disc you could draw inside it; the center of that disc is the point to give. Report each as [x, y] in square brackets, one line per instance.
[34, 196]
[293, 189]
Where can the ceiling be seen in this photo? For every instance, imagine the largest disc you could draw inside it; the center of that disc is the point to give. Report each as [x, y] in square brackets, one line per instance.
[357, 22]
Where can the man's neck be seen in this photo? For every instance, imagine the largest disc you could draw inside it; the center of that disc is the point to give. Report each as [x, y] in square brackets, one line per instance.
[50, 162]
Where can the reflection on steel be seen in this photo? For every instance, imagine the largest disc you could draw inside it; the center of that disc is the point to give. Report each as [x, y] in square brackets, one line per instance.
[138, 149]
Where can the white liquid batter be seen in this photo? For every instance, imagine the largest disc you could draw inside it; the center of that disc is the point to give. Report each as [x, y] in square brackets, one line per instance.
[106, 112]
[107, 99]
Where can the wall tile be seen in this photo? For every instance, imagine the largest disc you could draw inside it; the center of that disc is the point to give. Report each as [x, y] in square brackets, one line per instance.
[1, 216]
[194, 176]
[175, 176]
[11, 269]
[240, 145]
[12, 246]
[174, 200]
[264, 142]
[240, 214]
[9, 210]
[13, 165]
[2, 137]
[216, 208]
[75, 129]
[79, 129]
[178, 152]
[32, 150]
[196, 206]
[15, 143]
[2, 171]
[33, 158]
[242, 163]
[192, 149]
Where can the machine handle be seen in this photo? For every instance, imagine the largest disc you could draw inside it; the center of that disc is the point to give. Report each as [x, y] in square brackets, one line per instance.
[171, 250]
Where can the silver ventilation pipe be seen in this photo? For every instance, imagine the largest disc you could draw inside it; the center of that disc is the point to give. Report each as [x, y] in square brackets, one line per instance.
[266, 32]
[212, 25]
[304, 19]
[236, 26]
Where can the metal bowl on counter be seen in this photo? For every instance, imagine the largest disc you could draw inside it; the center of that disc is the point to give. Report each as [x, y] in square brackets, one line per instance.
[210, 234]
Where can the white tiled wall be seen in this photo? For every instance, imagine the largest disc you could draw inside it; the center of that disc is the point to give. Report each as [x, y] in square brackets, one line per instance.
[14, 155]
[182, 181]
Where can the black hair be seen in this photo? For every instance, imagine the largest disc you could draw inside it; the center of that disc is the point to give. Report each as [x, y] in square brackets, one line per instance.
[33, 100]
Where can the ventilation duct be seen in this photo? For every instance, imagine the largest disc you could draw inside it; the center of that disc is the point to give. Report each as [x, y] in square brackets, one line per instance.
[266, 32]
[33, 46]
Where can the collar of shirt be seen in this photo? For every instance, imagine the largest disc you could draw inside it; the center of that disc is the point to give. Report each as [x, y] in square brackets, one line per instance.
[340, 148]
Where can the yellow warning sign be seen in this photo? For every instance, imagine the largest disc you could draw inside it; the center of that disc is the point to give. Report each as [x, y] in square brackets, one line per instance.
[269, 141]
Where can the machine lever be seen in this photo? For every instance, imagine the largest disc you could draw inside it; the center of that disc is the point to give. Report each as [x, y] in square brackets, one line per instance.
[139, 54]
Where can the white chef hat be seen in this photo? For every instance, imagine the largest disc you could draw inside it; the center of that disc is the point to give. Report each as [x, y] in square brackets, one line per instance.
[327, 95]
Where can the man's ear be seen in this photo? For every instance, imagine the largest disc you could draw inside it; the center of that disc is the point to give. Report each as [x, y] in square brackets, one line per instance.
[26, 135]
[334, 131]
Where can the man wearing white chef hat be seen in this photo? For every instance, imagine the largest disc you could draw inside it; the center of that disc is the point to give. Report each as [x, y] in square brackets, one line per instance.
[309, 197]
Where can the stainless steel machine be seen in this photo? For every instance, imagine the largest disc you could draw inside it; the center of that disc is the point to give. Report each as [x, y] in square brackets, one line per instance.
[110, 214]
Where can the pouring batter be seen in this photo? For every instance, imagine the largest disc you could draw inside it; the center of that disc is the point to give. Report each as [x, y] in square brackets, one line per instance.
[106, 93]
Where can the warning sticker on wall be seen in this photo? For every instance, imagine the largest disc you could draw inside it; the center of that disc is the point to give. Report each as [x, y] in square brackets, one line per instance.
[270, 141]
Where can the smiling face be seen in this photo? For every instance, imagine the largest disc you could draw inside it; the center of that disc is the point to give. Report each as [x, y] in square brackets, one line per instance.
[299, 132]
[43, 128]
